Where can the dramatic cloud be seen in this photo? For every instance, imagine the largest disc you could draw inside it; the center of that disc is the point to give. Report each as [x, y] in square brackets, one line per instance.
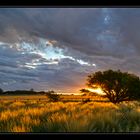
[56, 48]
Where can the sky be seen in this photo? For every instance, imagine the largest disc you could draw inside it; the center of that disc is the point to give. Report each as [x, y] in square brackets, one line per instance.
[56, 48]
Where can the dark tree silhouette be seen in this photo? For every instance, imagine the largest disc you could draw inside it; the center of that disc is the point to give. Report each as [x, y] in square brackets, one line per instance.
[118, 86]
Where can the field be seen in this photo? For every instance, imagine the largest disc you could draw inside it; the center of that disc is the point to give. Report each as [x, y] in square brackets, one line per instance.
[37, 114]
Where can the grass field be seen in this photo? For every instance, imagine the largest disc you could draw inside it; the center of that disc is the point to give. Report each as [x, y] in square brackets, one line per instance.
[37, 114]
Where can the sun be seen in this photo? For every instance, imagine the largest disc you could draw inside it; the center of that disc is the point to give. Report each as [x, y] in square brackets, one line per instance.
[97, 90]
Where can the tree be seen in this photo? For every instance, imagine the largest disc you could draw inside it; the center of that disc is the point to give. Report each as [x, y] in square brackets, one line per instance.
[118, 86]
[53, 96]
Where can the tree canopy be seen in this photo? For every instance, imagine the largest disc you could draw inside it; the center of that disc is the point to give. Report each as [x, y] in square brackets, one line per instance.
[118, 86]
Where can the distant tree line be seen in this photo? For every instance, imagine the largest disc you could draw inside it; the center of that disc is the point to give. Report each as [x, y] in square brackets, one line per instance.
[52, 95]
[22, 92]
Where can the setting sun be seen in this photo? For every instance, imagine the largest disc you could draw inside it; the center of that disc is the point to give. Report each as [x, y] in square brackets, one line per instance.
[97, 90]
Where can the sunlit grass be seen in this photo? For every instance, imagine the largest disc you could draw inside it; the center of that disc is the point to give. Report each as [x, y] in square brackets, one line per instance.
[18, 129]
[43, 116]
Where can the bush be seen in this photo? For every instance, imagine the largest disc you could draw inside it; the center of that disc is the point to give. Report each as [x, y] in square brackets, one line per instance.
[53, 97]
[86, 100]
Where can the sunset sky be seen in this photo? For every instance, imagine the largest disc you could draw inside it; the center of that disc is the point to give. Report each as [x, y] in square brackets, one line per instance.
[56, 48]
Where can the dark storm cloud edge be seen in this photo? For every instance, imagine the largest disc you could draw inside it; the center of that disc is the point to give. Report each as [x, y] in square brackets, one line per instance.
[84, 33]
[78, 28]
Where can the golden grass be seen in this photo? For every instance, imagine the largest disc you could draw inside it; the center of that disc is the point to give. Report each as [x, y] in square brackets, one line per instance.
[43, 116]
[18, 129]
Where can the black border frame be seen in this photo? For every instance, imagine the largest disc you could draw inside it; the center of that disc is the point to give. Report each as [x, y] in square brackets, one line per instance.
[68, 4]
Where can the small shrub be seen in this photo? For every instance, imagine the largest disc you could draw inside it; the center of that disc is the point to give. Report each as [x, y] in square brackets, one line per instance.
[53, 97]
[86, 100]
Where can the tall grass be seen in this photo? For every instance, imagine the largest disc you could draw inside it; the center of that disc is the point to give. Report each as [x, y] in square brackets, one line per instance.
[42, 116]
